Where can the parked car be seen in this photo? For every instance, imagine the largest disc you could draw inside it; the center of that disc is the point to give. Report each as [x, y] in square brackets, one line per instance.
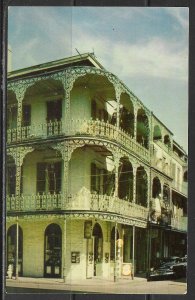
[180, 269]
[164, 270]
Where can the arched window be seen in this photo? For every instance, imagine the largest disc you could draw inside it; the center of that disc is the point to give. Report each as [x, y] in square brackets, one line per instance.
[98, 244]
[126, 114]
[11, 248]
[53, 251]
[156, 187]
[157, 133]
[143, 130]
[141, 187]
[125, 187]
[167, 141]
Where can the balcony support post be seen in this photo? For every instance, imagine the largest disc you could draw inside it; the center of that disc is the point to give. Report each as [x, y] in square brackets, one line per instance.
[134, 183]
[170, 198]
[133, 254]
[115, 253]
[19, 90]
[64, 251]
[67, 85]
[18, 181]
[135, 122]
[118, 94]
[17, 246]
[116, 162]
[148, 187]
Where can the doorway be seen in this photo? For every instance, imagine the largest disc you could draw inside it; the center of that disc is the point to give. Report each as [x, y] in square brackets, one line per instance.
[53, 251]
[98, 249]
[11, 249]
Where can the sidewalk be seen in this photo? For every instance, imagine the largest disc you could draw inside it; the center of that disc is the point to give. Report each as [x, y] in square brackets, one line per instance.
[93, 284]
[97, 285]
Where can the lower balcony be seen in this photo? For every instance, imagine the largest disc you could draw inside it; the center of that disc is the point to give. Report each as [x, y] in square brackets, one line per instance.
[179, 223]
[84, 201]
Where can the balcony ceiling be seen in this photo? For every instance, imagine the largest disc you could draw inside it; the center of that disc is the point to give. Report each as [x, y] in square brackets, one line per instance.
[97, 83]
[100, 149]
[48, 86]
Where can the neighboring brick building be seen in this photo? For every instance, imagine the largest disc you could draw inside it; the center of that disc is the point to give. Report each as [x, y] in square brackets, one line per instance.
[95, 182]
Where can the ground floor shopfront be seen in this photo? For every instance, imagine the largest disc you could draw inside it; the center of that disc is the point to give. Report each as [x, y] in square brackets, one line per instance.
[164, 241]
[76, 247]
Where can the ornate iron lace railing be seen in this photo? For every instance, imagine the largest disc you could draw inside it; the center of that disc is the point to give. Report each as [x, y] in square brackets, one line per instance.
[34, 131]
[78, 127]
[106, 130]
[33, 202]
[84, 201]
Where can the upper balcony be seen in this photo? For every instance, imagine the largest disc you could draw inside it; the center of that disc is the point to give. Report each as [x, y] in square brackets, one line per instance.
[96, 104]
[161, 214]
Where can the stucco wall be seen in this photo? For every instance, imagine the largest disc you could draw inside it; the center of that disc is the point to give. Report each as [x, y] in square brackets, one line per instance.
[33, 248]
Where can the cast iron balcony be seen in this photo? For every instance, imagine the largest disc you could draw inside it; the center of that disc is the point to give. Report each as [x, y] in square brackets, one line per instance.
[92, 128]
[84, 200]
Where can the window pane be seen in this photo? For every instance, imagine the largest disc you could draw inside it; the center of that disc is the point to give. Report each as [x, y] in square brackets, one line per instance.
[26, 115]
[54, 110]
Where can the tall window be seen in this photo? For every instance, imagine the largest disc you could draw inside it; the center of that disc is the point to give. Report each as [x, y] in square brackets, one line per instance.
[12, 117]
[113, 239]
[26, 115]
[102, 181]
[127, 120]
[54, 110]
[97, 112]
[11, 179]
[125, 187]
[185, 176]
[49, 177]
[141, 187]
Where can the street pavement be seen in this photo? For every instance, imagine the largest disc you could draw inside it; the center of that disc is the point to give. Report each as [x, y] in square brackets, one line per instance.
[96, 285]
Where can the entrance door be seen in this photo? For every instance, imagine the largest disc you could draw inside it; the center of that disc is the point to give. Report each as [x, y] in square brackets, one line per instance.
[11, 249]
[140, 250]
[90, 260]
[98, 249]
[53, 249]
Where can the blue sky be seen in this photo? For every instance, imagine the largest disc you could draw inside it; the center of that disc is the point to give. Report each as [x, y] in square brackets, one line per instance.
[145, 47]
